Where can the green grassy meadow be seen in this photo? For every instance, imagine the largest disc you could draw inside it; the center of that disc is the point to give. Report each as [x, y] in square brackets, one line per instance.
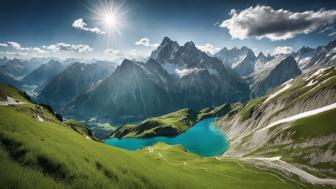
[51, 154]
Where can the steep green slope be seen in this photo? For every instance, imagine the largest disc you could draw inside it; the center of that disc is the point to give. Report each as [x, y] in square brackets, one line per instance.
[7, 90]
[166, 125]
[169, 124]
[79, 128]
[49, 154]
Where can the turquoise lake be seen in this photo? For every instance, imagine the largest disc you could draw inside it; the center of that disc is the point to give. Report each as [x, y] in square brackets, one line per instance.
[204, 139]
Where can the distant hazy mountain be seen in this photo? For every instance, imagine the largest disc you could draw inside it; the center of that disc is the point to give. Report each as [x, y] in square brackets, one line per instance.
[174, 77]
[4, 78]
[43, 73]
[274, 73]
[246, 64]
[241, 60]
[72, 82]
[311, 58]
[17, 68]
[3, 61]
[261, 60]
[266, 72]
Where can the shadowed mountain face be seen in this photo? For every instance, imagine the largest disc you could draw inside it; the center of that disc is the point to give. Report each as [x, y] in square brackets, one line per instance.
[72, 82]
[43, 73]
[17, 68]
[273, 74]
[5, 78]
[174, 77]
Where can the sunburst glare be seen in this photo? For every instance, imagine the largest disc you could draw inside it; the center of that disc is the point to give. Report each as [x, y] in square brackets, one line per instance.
[110, 15]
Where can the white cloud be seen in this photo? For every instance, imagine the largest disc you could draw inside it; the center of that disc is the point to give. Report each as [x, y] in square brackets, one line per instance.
[80, 24]
[3, 45]
[265, 22]
[69, 47]
[14, 53]
[146, 42]
[282, 50]
[15, 45]
[332, 34]
[114, 53]
[58, 50]
[133, 54]
[37, 50]
[208, 48]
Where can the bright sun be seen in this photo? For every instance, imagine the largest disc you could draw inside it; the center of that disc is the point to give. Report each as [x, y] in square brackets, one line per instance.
[110, 15]
[109, 20]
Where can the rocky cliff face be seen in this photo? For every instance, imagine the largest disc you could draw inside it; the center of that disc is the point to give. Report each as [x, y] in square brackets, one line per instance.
[241, 60]
[260, 128]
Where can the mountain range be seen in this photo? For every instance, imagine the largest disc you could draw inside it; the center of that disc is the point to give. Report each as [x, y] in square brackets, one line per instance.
[174, 77]
[277, 113]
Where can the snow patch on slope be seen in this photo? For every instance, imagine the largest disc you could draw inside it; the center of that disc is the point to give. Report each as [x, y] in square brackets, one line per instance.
[311, 83]
[318, 73]
[171, 68]
[301, 115]
[285, 85]
[185, 72]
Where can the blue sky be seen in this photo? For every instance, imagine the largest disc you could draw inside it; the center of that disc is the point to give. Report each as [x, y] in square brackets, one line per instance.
[46, 23]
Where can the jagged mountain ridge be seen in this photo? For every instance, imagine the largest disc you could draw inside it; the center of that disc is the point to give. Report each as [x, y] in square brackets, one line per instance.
[173, 78]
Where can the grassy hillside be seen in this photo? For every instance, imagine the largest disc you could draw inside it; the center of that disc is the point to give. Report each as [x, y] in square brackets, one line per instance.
[50, 154]
[79, 128]
[166, 125]
[7, 90]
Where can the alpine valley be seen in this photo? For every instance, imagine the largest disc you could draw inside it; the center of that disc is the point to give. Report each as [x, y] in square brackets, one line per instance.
[181, 115]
